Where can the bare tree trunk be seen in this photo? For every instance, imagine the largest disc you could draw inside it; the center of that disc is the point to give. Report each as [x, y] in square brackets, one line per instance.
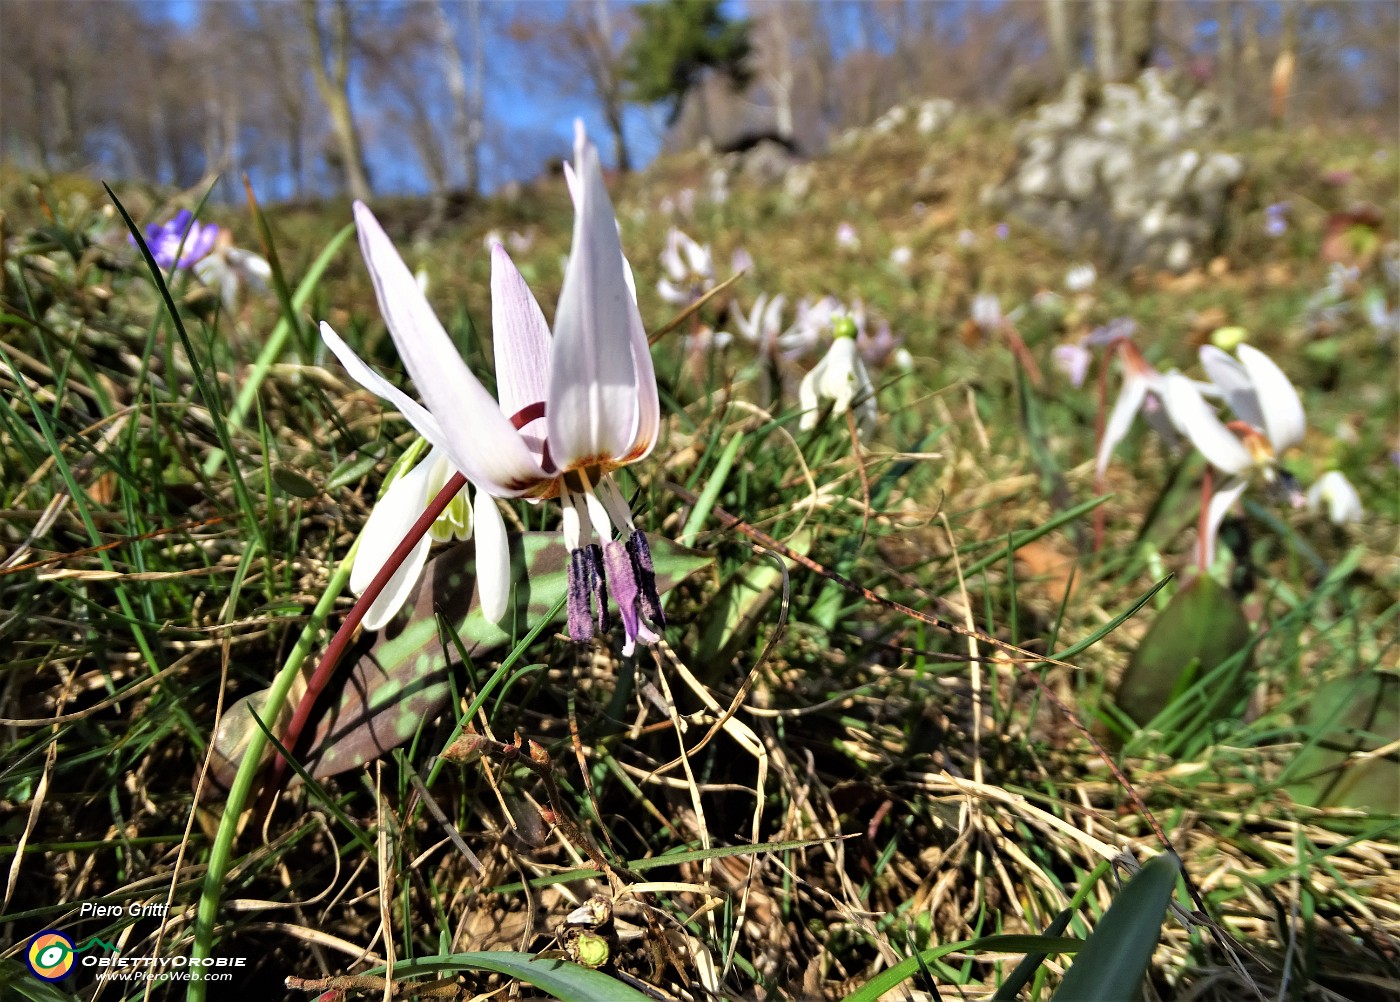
[604, 70]
[1061, 37]
[333, 85]
[1227, 70]
[1139, 36]
[1105, 41]
[476, 116]
[455, 74]
[1281, 81]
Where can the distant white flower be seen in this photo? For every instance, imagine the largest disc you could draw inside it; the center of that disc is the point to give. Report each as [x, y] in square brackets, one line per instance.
[1142, 384]
[901, 256]
[1269, 420]
[1335, 490]
[231, 269]
[1081, 278]
[840, 377]
[1072, 360]
[966, 238]
[690, 269]
[740, 260]
[811, 323]
[846, 237]
[986, 313]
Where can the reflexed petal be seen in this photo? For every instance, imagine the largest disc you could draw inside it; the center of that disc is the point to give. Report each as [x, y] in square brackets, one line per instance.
[480, 440]
[492, 558]
[571, 179]
[1234, 382]
[522, 345]
[388, 523]
[254, 267]
[1198, 422]
[595, 373]
[1130, 399]
[807, 396]
[1336, 491]
[416, 413]
[1283, 411]
[671, 293]
[1220, 503]
[648, 422]
[670, 257]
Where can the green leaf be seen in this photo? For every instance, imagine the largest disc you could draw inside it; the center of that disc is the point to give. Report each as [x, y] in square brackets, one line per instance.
[566, 981]
[1346, 716]
[1114, 958]
[293, 482]
[1201, 628]
[17, 983]
[399, 676]
[892, 978]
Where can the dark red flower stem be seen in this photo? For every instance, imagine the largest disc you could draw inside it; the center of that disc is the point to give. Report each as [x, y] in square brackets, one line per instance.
[325, 669]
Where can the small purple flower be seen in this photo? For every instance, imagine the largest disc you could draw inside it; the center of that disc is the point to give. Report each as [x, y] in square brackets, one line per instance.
[1002, 231]
[1276, 219]
[166, 240]
[1073, 361]
[1119, 329]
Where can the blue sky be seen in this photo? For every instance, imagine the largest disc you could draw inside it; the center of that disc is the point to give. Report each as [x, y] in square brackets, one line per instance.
[520, 116]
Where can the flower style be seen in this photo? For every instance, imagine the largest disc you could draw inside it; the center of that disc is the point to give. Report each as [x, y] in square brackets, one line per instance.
[574, 406]
[1335, 491]
[181, 241]
[690, 269]
[840, 377]
[1269, 420]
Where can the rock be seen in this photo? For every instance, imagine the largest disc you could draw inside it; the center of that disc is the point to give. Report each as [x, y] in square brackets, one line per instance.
[1122, 170]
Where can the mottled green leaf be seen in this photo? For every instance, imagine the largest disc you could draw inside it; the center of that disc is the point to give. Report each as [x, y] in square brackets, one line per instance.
[1346, 716]
[1201, 628]
[398, 677]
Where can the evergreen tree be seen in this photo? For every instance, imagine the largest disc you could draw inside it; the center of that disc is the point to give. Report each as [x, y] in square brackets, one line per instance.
[675, 42]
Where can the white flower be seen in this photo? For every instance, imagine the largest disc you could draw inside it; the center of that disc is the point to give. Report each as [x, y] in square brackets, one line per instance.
[229, 269]
[1081, 278]
[574, 404]
[1335, 490]
[846, 237]
[986, 313]
[1269, 420]
[690, 269]
[1073, 360]
[840, 377]
[901, 256]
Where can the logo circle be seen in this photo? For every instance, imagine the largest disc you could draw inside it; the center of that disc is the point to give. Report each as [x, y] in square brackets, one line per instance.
[50, 955]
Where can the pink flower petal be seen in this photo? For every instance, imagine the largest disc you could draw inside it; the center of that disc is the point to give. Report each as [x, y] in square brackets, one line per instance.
[1283, 411]
[1198, 422]
[477, 437]
[598, 368]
